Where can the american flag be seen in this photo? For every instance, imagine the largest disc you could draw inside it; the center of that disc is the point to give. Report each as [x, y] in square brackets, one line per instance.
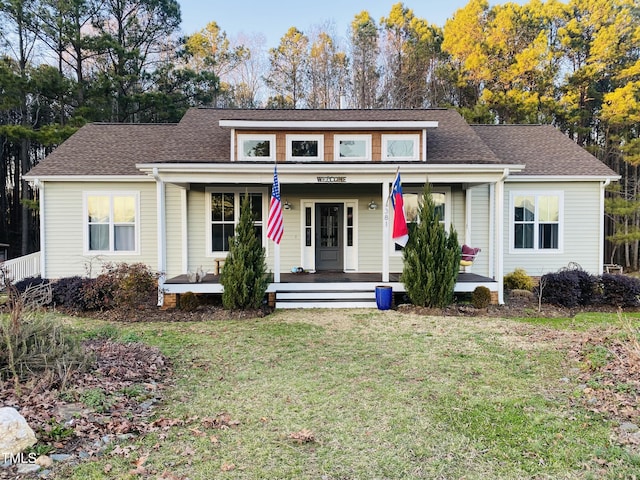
[275, 227]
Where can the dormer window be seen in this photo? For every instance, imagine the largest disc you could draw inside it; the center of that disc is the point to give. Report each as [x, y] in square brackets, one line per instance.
[305, 148]
[256, 147]
[401, 147]
[352, 147]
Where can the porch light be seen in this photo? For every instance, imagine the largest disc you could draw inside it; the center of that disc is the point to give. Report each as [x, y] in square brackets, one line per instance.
[373, 205]
[287, 205]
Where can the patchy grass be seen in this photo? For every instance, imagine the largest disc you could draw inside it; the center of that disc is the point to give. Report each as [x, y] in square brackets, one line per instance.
[368, 395]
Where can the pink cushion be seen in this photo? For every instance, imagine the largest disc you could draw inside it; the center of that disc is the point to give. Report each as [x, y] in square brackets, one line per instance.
[469, 253]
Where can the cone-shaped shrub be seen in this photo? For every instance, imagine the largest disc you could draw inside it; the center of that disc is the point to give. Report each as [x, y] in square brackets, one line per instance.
[431, 258]
[244, 276]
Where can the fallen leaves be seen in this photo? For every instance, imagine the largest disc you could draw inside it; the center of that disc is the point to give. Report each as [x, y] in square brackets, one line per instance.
[129, 379]
[303, 436]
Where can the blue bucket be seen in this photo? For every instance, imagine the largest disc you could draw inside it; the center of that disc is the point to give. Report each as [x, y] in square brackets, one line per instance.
[384, 297]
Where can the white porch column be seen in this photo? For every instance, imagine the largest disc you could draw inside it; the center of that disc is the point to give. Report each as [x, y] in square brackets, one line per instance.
[385, 232]
[499, 234]
[276, 263]
[161, 233]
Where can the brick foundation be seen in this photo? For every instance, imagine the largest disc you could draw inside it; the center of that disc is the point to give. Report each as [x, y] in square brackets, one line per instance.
[494, 298]
[170, 301]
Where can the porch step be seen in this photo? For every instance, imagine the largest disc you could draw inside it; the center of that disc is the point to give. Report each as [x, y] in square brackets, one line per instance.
[313, 298]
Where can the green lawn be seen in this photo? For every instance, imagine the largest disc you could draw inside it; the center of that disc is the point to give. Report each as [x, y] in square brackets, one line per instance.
[381, 395]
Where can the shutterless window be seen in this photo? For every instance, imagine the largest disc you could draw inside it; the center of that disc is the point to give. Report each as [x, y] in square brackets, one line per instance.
[401, 147]
[352, 147]
[256, 147]
[305, 147]
[222, 220]
[111, 222]
[225, 214]
[536, 222]
[411, 201]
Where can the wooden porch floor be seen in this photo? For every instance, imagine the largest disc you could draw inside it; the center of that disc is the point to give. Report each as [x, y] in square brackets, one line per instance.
[332, 277]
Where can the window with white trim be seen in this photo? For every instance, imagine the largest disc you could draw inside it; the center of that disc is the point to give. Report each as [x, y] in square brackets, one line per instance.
[256, 147]
[305, 148]
[536, 221]
[111, 222]
[352, 147]
[401, 147]
[411, 199]
[224, 214]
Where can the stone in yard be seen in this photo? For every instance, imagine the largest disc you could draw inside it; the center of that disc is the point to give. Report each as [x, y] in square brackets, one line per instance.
[15, 433]
[26, 468]
[629, 427]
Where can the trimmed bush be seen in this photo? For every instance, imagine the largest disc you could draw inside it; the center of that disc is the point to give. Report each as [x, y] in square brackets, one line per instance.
[189, 301]
[620, 290]
[518, 280]
[570, 288]
[120, 285]
[68, 292]
[25, 283]
[481, 297]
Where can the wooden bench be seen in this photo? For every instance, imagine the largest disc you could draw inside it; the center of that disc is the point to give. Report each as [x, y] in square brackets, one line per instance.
[613, 268]
[218, 263]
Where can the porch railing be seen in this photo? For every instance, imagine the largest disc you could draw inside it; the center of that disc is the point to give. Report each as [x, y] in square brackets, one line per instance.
[20, 268]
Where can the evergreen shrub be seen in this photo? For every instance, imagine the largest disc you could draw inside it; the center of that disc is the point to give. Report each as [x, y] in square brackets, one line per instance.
[431, 258]
[244, 276]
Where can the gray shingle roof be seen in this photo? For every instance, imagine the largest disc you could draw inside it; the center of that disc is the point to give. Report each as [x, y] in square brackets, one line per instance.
[115, 149]
[199, 138]
[105, 149]
[543, 149]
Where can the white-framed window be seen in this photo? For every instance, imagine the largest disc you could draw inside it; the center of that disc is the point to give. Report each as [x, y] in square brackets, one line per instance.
[111, 222]
[352, 147]
[256, 147]
[401, 147]
[223, 214]
[411, 198]
[305, 148]
[536, 221]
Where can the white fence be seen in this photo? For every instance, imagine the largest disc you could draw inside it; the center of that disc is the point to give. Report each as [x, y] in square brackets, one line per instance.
[20, 268]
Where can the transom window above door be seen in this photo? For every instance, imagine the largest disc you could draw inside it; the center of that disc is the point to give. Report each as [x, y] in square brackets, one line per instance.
[305, 148]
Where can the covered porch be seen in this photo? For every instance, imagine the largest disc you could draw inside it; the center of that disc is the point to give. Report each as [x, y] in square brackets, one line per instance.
[336, 223]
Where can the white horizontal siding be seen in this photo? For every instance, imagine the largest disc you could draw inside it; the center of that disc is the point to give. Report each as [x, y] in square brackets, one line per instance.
[581, 229]
[64, 228]
[197, 238]
[174, 233]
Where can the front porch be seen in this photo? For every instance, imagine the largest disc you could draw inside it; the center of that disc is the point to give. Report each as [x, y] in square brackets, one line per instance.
[321, 289]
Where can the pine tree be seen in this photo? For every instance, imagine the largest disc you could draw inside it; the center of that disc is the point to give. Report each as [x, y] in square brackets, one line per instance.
[244, 276]
[431, 258]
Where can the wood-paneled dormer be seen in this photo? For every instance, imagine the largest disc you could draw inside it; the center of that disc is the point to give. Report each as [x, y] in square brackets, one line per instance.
[328, 141]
